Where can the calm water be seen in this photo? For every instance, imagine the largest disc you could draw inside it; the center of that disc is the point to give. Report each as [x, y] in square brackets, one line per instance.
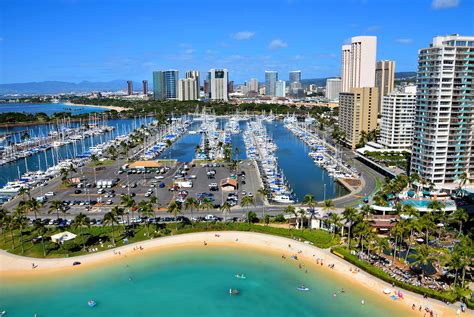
[192, 283]
[47, 108]
[43, 160]
[304, 176]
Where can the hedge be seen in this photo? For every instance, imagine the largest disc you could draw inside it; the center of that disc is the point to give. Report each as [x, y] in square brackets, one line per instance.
[344, 253]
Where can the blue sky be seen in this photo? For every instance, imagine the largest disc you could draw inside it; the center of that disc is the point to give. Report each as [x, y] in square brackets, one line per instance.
[75, 40]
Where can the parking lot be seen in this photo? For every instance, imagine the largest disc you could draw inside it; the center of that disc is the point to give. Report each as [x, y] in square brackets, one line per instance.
[169, 182]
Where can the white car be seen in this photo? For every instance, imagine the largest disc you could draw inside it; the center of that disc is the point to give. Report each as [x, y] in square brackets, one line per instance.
[49, 194]
[159, 177]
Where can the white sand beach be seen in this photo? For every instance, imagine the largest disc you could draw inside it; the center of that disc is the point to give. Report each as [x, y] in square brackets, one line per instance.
[14, 266]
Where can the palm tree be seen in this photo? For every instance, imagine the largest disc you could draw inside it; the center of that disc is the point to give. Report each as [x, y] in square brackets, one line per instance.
[41, 230]
[336, 221]
[154, 201]
[33, 206]
[350, 214]
[396, 232]
[302, 214]
[20, 223]
[81, 221]
[128, 202]
[328, 205]
[110, 218]
[463, 179]
[290, 209]
[225, 208]
[362, 229]
[191, 203]
[263, 192]
[423, 256]
[3, 222]
[56, 206]
[174, 208]
[460, 216]
[146, 210]
[245, 202]
[11, 224]
[455, 264]
[367, 210]
[309, 201]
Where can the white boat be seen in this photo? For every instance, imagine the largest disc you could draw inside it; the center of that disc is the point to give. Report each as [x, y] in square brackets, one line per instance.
[241, 276]
[284, 199]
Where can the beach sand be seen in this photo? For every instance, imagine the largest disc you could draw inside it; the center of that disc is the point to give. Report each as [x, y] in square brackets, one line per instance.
[118, 109]
[18, 267]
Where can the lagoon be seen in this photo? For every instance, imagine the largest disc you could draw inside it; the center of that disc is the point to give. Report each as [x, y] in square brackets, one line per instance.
[192, 282]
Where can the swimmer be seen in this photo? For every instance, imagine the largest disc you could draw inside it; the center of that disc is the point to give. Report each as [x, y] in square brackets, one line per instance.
[362, 302]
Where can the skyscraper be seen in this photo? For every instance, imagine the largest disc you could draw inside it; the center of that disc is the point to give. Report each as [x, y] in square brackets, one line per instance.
[218, 80]
[358, 63]
[271, 77]
[129, 87]
[384, 78]
[145, 87]
[187, 89]
[280, 89]
[253, 85]
[194, 74]
[295, 76]
[230, 89]
[398, 115]
[443, 134]
[333, 88]
[165, 84]
[357, 113]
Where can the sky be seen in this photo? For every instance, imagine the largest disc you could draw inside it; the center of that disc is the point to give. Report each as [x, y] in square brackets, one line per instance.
[102, 40]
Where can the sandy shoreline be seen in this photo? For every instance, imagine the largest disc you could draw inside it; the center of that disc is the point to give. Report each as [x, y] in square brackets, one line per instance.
[118, 109]
[13, 266]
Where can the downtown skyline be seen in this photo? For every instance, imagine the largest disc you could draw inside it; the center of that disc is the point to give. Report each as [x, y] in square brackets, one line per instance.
[80, 40]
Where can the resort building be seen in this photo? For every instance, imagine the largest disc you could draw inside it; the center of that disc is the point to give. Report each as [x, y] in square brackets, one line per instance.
[398, 112]
[218, 81]
[333, 88]
[358, 63]
[129, 87]
[384, 78]
[358, 112]
[444, 125]
[271, 78]
[280, 88]
[187, 89]
[165, 84]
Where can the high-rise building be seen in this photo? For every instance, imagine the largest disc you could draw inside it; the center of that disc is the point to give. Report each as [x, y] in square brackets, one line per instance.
[358, 63]
[253, 85]
[398, 115]
[333, 88]
[194, 74]
[384, 78]
[145, 87]
[165, 84]
[295, 76]
[443, 130]
[129, 87]
[187, 89]
[230, 89]
[271, 78]
[280, 88]
[357, 113]
[218, 81]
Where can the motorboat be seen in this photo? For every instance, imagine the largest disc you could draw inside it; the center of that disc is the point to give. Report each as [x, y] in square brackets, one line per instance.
[285, 199]
[91, 303]
[241, 276]
[302, 288]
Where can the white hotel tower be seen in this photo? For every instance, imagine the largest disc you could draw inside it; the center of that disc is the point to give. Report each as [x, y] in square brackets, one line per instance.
[444, 120]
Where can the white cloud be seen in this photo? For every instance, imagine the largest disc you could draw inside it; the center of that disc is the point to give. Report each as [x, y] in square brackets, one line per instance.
[404, 41]
[444, 4]
[276, 44]
[243, 35]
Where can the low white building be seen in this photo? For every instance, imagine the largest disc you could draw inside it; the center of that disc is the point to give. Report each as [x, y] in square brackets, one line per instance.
[62, 237]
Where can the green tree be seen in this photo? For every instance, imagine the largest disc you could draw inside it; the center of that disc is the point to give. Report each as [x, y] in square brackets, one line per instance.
[174, 208]
[225, 209]
[57, 207]
[81, 221]
[351, 215]
[245, 202]
[422, 256]
[290, 210]
[263, 192]
[459, 216]
[110, 218]
[328, 205]
[336, 221]
[41, 230]
[191, 203]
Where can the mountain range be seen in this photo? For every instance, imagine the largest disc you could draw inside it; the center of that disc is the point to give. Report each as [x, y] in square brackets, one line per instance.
[56, 87]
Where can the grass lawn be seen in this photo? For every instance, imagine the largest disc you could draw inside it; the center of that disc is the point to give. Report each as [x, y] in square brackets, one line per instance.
[94, 235]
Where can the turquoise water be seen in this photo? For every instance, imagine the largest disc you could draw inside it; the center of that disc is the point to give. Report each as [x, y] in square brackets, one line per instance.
[47, 108]
[191, 283]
